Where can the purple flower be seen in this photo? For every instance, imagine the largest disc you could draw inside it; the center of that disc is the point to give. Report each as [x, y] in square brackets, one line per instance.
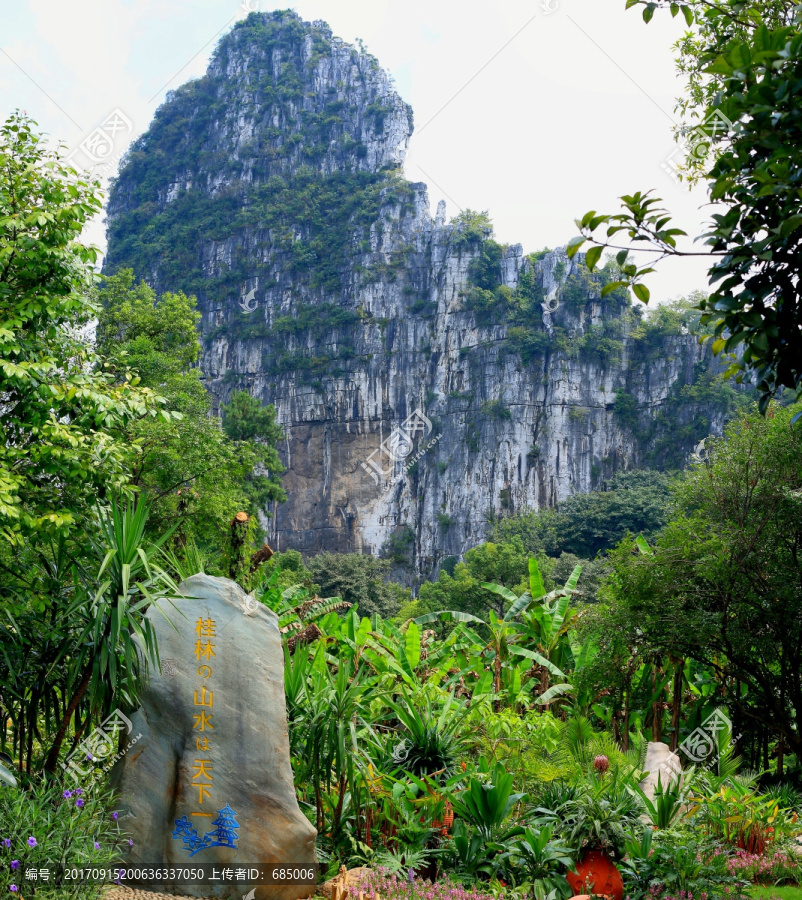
[78, 792]
[13, 888]
[79, 803]
[114, 816]
[31, 841]
[97, 846]
[6, 842]
[15, 864]
[130, 842]
[67, 795]
[89, 756]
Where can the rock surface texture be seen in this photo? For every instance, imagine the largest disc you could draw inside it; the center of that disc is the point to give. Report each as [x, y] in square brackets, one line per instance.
[272, 189]
[661, 763]
[210, 780]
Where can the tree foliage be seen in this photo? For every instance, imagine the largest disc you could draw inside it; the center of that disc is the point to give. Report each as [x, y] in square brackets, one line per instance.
[358, 579]
[744, 62]
[196, 472]
[635, 502]
[722, 583]
[61, 411]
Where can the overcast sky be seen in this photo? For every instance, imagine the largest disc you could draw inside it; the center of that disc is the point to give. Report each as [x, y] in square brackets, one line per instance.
[535, 110]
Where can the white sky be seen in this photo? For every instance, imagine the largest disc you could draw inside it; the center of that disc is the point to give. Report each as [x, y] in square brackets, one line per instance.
[534, 114]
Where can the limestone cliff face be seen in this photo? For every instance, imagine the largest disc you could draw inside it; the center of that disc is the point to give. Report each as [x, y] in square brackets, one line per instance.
[427, 379]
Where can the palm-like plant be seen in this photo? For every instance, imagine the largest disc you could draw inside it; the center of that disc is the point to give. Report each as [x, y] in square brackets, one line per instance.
[431, 740]
[669, 800]
[472, 855]
[107, 663]
[543, 860]
[487, 805]
[326, 717]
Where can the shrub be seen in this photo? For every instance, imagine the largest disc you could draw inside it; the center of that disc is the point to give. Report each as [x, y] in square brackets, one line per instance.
[779, 868]
[47, 826]
[391, 887]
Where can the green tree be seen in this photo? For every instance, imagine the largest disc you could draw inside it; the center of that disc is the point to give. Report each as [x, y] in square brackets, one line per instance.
[743, 62]
[196, 473]
[61, 411]
[358, 578]
[500, 563]
[635, 502]
[723, 584]
[247, 422]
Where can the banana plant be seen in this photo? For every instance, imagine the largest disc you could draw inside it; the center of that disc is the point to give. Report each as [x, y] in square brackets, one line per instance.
[294, 607]
[505, 631]
[544, 628]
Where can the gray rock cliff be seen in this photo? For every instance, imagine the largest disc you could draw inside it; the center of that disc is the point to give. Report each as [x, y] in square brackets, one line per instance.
[427, 378]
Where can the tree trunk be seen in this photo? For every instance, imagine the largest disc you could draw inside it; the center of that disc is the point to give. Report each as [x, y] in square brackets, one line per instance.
[318, 808]
[625, 721]
[338, 810]
[238, 549]
[657, 705]
[52, 758]
[263, 554]
[676, 705]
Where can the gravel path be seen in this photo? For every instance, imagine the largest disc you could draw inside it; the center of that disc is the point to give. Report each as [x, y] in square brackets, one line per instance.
[126, 893]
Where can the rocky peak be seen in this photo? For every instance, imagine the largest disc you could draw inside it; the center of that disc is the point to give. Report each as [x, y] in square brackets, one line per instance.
[280, 96]
[427, 377]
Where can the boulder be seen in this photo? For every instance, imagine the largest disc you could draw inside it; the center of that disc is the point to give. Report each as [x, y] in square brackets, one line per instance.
[660, 761]
[210, 779]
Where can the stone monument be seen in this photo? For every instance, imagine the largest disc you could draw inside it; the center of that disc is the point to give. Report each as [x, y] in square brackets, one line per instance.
[210, 779]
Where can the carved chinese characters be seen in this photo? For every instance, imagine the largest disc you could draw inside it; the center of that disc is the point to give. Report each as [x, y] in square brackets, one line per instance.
[210, 779]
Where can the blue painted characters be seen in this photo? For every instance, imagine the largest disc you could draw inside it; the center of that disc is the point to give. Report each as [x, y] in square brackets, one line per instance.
[224, 834]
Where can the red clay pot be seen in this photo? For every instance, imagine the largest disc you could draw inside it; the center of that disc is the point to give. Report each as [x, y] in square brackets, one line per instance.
[596, 874]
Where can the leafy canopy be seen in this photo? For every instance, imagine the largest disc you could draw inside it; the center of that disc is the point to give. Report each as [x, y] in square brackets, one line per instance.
[744, 64]
[61, 411]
